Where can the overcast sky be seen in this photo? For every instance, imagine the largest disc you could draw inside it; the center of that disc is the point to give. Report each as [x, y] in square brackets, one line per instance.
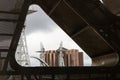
[40, 28]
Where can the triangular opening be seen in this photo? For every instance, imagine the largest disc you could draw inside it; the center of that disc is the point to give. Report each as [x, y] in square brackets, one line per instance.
[48, 44]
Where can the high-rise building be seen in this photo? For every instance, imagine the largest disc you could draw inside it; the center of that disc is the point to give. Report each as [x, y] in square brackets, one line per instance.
[60, 57]
[71, 57]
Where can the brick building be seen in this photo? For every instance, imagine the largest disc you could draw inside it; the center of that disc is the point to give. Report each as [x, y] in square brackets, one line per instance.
[71, 57]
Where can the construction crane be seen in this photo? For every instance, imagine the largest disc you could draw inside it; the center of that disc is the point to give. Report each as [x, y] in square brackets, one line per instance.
[60, 57]
[42, 52]
[41, 59]
[22, 55]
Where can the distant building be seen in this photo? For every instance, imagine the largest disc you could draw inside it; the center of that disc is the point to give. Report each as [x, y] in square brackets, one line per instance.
[71, 57]
[61, 56]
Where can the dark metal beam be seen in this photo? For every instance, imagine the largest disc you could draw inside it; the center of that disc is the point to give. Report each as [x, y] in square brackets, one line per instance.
[2, 58]
[102, 54]
[4, 50]
[20, 22]
[15, 39]
[3, 34]
[9, 20]
[8, 12]
[63, 70]
[9, 73]
[79, 31]
[55, 6]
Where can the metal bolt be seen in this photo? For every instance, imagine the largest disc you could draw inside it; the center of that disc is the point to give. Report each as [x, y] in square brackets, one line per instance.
[106, 35]
[101, 30]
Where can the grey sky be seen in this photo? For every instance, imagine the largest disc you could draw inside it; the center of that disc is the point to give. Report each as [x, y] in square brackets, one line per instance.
[40, 28]
[39, 22]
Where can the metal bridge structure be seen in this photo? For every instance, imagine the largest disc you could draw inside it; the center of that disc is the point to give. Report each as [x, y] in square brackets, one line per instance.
[94, 26]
